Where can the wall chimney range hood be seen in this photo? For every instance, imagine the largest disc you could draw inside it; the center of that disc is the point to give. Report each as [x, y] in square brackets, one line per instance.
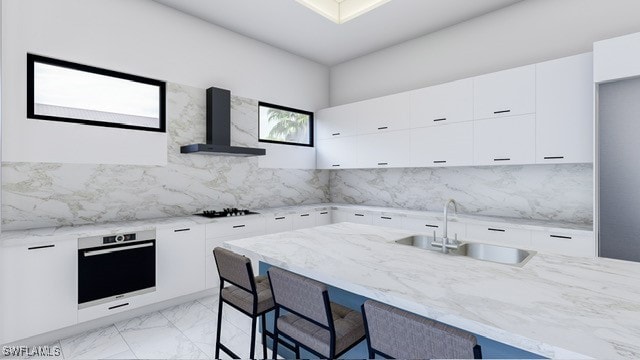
[218, 120]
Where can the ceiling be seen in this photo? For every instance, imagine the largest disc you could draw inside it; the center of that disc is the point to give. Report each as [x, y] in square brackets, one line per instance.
[290, 26]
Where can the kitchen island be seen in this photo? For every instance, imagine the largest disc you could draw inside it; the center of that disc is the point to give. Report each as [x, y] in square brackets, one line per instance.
[554, 306]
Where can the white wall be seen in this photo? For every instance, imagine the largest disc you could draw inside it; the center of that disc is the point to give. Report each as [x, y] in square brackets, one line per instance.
[527, 32]
[144, 38]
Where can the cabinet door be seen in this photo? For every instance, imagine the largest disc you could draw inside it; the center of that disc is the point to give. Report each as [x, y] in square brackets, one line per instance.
[279, 223]
[212, 279]
[337, 121]
[180, 260]
[499, 234]
[338, 216]
[304, 220]
[442, 104]
[339, 153]
[429, 225]
[360, 217]
[323, 217]
[564, 111]
[505, 93]
[383, 150]
[384, 114]
[40, 288]
[563, 243]
[505, 141]
[446, 145]
[388, 220]
[247, 224]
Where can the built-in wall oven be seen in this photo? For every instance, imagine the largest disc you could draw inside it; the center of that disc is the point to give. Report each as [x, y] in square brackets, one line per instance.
[115, 267]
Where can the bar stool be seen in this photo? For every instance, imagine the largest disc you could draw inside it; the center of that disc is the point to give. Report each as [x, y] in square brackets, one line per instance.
[398, 334]
[248, 294]
[326, 329]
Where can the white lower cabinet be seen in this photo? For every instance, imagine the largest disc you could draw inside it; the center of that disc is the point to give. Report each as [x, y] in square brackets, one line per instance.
[354, 216]
[499, 234]
[390, 220]
[180, 261]
[564, 243]
[304, 220]
[385, 150]
[117, 306]
[444, 145]
[323, 217]
[505, 141]
[279, 223]
[212, 279]
[428, 226]
[40, 288]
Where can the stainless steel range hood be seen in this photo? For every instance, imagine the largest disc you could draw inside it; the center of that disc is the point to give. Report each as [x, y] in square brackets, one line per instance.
[219, 129]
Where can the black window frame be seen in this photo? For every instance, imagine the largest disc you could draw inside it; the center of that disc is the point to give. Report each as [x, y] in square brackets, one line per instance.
[32, 59]
[285, 108]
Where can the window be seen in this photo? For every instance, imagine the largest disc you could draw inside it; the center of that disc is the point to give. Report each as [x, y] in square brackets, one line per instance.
[63, 91]
[283, 125]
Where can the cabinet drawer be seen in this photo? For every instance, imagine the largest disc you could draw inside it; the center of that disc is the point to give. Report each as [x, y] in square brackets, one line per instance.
[564, 244]
[359, 217]
[442, 104]
[323, 217]
[211, 243]
[389, 220]
[505, 93]
[428, 226]
[115, 307]
[242, 225]
[279, 223]
[499, 234]
[304, 220]
[507, 141]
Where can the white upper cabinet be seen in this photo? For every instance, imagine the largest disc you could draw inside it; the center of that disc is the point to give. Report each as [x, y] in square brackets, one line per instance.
[505, 141]
[338, 153]
[337, 121]
[388, 113]
[505, 93]
[616, 58]
[564, 111]
[442, 104]
[447, 145]
[385, 150]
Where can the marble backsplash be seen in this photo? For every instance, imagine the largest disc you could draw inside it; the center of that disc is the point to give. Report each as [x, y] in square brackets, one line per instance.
[53, 194]
[562, 193]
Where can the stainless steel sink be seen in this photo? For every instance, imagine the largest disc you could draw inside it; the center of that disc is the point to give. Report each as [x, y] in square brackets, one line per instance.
[495, 253]
[484, 252]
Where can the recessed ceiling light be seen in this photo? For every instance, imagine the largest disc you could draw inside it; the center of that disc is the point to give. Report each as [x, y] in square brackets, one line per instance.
[341, 11]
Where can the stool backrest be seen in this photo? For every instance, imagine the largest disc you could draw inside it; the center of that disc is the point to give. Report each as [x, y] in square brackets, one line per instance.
[399, 334]
[234, 268]
[301, 295]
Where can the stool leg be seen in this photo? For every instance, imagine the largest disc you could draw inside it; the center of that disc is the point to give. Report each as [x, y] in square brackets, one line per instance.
[264, 336]
[274, 353]
[219, 327]
[297, 351]
[253, 337]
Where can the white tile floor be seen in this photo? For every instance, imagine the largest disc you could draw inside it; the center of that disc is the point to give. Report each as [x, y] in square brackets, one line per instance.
[186, 331]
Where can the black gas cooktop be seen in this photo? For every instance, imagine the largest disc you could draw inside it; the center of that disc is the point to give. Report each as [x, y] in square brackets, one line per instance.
[226, 212]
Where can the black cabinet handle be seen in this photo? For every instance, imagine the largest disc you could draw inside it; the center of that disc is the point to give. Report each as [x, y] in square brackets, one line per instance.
[41, 247]
[385, 217]
[440, 161]
[502, 111]
[181, 230]
[561, 237]
[498, 230]
[336, 165]
[238, 226]
[280, 218]
[553, 157]
[358, 214]
[304, 215]
[431, 226]
[324, 213]
[383, 163]
[442, 119]
[383, 128]
[118, 306]
[335, 134]
[502, 159]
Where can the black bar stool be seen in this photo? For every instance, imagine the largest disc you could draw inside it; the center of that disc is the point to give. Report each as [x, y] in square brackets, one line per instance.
[398, 334]
[322, 327]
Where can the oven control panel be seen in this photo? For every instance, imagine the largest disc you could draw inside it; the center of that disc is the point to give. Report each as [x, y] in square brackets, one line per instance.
[118, 238]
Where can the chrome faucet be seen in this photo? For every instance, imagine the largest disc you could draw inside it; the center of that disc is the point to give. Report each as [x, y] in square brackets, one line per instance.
[445, 245]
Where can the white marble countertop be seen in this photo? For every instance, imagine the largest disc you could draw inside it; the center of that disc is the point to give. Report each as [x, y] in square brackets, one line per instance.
[555, 306]
[18, 237]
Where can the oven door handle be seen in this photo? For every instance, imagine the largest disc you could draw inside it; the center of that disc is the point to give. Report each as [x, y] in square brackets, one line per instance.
[109, 251]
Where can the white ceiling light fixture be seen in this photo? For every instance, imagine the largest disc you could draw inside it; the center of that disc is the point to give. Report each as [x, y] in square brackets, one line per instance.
[341, 11]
